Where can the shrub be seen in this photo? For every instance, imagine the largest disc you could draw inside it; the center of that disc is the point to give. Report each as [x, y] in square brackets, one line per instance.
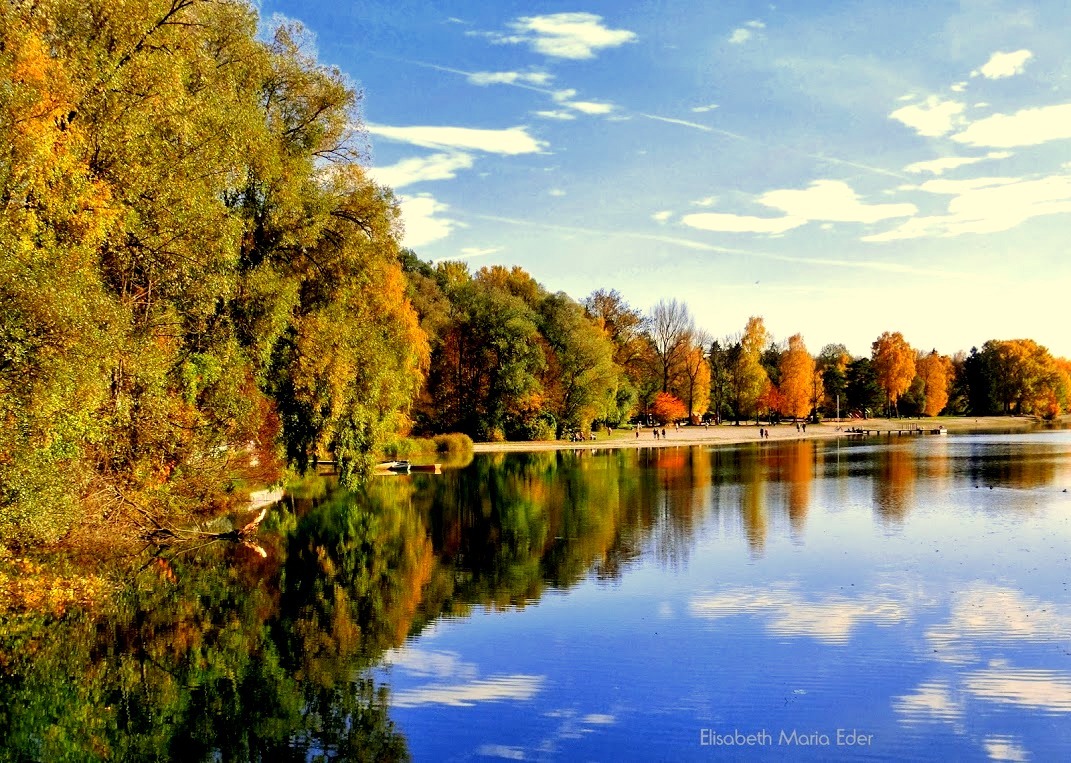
[452, 444]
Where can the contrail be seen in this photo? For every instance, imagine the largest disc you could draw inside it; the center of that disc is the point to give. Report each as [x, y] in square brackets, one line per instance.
[668, 120]
[886, 267]
[738, 136]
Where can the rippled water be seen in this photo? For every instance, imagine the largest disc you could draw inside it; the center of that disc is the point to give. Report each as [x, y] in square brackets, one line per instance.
[867, 599]
[862, 599]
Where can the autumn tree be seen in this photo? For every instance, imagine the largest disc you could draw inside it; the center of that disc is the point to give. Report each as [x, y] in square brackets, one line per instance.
[935, 372]
[624, 326]
[797, 378]
[695, 384]
[747, 375]
[894, 365]
[667, 408]
[581, 380]
[196, 266]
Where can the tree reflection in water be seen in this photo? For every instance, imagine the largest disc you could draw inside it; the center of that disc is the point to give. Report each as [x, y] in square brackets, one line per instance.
[220, 653]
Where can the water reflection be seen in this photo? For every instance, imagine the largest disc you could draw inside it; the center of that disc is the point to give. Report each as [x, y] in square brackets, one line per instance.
[645, 580]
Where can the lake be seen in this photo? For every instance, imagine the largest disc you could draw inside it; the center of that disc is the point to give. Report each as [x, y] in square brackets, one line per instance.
[857, 599]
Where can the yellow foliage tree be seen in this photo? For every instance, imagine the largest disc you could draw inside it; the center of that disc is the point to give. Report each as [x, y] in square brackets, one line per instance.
[935, 371]
[894, 364]
[797, 378]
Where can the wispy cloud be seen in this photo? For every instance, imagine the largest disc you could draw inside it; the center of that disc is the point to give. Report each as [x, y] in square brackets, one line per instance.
[940, 166]
[1001, 65]
[469, 252]
[985, 205]
[662, 217]
[830, 619]
[729, 223]
[510, 78]
[704, 109]
[558, 114]
[576, 36]
[1028, 127]
[496, 689]
[421, 169]
[701, 246]
[510, 141]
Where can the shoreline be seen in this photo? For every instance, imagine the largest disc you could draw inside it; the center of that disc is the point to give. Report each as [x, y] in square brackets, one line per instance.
[731, 434]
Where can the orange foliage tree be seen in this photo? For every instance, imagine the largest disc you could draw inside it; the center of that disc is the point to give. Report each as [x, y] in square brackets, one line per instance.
[894, 365]
[797, 378]
[667, 407]
[935, 371]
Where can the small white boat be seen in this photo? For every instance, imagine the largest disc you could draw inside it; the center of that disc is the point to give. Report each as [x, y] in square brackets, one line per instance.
[397, 467]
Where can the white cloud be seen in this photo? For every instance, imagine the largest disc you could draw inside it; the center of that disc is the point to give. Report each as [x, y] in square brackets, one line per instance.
[589, 107]
[1028, 127]
[704, 109]
[509, 141]
[598, 719]
[555, 114]
[832, 201]
[1005, 748]
[475, 251]
[706, 201]
[958, 87]
[931, 701]
[510, 78]
[1041, 689]
[985, 205]
[564, 97]
[429, 663]
[661, 217]
[575, 36]
[931, 119]
[422, 224]
[988, 613]
[939, 166]
[1001, 65]
[740, 36]
[555, 192]
[831, 619]
[421, 169]
[516, 687]
[728, 223]
[501, 751]
[745, 33]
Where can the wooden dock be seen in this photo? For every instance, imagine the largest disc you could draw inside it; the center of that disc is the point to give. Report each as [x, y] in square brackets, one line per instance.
[865, 432]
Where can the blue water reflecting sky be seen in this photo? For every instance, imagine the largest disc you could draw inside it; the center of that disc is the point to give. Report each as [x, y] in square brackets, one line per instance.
[914, 591]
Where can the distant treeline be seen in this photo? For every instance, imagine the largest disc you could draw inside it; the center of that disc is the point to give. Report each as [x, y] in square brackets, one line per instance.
[510, 360]
[200, 285]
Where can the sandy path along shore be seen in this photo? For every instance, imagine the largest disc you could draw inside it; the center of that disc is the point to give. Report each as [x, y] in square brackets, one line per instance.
[730, 434]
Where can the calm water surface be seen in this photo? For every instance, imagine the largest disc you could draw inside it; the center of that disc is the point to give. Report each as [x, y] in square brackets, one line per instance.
[868, 599]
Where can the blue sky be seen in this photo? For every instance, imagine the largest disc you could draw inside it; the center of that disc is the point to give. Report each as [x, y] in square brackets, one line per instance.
[840, 168]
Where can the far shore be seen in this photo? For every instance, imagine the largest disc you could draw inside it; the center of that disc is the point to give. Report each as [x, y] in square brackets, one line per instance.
[731, 434]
